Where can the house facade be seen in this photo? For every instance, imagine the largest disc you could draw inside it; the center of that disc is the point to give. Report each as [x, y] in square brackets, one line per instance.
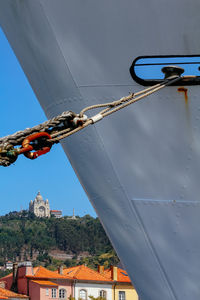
[38, 283]
[56, 213]
[87, 282]
[79, 282]
[84, 290]
[46, 290]
[122, 287]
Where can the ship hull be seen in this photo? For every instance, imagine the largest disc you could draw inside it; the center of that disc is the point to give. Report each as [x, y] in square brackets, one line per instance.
[140, 166]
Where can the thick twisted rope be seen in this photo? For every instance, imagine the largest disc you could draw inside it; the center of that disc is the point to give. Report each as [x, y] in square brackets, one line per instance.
[19, 136]
[69, 123]
[7, 142]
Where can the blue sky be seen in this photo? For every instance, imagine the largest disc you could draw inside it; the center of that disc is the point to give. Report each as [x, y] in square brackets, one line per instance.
[52, 173]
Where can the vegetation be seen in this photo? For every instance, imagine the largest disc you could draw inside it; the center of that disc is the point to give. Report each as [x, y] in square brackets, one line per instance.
[23, 234]
[97, 298]
[4, 273]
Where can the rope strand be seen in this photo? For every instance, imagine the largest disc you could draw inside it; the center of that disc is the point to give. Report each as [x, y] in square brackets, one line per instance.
[65, 125]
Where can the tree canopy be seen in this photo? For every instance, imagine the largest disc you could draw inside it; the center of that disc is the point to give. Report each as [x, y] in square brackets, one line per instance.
[23, 233]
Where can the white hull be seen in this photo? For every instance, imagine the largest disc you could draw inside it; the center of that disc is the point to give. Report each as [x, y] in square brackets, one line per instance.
[141, 166]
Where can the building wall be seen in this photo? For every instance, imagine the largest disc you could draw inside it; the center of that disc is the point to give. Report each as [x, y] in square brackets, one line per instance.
[34, 291]
[130, 292]
[93, 289]
[44, 296]
[39, 292]
[64, 284]
[22, 286]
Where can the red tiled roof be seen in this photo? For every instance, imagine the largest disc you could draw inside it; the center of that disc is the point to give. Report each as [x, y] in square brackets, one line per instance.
[41, 272]
[122, 275]
[44, 282]
[84, 273]
[8, 294]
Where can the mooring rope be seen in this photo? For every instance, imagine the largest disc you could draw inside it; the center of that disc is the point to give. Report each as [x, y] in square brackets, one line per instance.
[40, 138]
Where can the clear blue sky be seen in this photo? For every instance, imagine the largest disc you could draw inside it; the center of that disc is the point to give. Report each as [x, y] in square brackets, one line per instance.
[52, 173]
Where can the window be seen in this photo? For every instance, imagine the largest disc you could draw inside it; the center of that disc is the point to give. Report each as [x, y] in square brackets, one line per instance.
[47, 292]
[122, 295]
[83, 294]
[53, 293]
[62, 294]
[102, 294]
[147, 70]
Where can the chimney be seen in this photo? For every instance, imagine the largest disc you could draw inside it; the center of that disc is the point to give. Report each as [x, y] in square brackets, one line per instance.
[14, 281]
[25, 268]
[100, 269]
[15, 266]
[60, 270]
[114, 273]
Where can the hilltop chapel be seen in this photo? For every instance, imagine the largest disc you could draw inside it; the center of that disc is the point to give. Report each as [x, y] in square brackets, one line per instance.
[40, 207]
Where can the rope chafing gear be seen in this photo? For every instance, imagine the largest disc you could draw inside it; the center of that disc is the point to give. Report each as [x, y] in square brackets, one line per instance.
[40, 138]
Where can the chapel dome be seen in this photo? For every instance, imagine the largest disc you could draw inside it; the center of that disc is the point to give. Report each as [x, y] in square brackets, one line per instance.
[39, 197]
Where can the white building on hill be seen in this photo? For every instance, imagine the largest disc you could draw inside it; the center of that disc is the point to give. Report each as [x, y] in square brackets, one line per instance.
[40, 207]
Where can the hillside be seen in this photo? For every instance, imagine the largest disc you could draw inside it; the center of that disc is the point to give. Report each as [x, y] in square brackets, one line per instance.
[51, 241]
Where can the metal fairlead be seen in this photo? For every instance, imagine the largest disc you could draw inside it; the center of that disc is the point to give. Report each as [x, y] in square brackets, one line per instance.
[172, 71]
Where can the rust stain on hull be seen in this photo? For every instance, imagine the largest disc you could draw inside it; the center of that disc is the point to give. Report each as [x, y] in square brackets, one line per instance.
[185, 91]
[187, 108]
